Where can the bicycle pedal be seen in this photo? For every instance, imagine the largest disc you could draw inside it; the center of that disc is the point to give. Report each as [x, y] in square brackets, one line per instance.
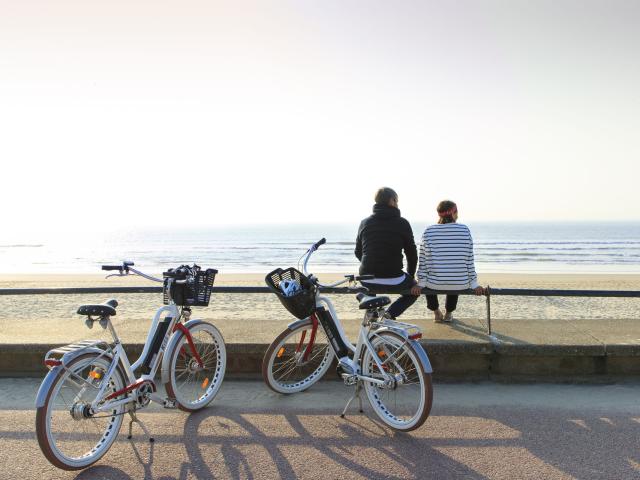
[164, 401]
[349, 379]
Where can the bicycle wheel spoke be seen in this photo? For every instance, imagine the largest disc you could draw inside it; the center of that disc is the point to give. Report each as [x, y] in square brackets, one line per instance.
[317, 354]
[207, 358]
[286, 364]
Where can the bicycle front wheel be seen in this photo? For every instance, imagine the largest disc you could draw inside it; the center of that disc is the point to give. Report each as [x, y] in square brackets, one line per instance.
[405, 402]
[297, 358]
[191, 384]
[69, 436]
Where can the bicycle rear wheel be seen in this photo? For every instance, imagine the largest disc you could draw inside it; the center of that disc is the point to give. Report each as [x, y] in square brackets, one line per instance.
[297, 358]
[406, 403]
[68, 435]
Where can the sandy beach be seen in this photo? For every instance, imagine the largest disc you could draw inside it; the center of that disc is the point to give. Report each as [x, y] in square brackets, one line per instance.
[256, 318]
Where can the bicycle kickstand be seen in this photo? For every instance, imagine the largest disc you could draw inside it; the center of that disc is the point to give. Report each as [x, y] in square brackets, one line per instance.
[355, 395]
[135, 419]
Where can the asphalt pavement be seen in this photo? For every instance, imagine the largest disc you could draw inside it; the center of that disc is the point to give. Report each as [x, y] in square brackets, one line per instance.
[475, 431]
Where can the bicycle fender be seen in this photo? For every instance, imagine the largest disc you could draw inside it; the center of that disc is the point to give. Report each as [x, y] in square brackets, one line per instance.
[298, 323]
[47, 383]
[173, 340]
[421, 352]
[417, 346]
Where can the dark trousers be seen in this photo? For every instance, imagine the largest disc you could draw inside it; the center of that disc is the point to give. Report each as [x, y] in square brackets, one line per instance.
[400, 305]
[450, 304]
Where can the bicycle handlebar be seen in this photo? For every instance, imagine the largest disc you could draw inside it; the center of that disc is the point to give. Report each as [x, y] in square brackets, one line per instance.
[178, 275]
[125, 269]
[348, 278]
[331, 285]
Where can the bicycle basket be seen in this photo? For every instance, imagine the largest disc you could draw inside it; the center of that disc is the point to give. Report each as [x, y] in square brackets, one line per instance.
[302, 303]
[196, 292]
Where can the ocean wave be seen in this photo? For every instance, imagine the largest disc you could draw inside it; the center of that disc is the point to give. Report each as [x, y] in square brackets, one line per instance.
[23, 245]
[566, 242]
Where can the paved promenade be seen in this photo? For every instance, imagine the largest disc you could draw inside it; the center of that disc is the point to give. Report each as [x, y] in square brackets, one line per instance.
[591, 350]
[476, 431]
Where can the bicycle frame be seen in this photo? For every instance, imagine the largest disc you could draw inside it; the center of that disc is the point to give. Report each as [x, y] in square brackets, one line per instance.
[120, 357]
[170, 315]
[363, 341]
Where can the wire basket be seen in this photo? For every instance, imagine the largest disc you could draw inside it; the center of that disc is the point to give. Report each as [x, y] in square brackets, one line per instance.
[196, 292]
[302, 303]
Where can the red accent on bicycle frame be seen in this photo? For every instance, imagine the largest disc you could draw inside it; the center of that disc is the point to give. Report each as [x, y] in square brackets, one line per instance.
[312, 337]
[52, 362]
[192, 346]
[128, 388]
[415, 336]
[304, 334]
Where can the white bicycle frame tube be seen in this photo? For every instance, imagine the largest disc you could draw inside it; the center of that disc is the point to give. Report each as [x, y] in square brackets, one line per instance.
[120, 356]
[172, 310]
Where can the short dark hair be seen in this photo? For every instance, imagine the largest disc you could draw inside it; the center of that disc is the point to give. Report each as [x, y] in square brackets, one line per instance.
[384, 195]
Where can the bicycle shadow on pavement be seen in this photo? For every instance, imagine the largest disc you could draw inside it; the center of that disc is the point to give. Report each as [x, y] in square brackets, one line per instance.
[450, 444]
[307, 445]
[293, 442]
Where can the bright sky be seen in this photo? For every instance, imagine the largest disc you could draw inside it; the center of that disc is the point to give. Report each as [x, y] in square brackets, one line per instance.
[205, 113]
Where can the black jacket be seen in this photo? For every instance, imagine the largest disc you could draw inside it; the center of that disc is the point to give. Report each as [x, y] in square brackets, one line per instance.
[381, 239]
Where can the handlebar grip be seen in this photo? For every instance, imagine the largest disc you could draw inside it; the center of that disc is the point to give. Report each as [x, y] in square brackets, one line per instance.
[320, 242]
[112, 267]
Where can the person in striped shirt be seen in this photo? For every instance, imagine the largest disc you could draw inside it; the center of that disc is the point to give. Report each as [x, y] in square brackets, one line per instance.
[446, 261]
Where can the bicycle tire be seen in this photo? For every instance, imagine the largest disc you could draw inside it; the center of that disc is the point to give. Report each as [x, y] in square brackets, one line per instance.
[323, 355]
[53, 450]
[201, 384]
[375, 394]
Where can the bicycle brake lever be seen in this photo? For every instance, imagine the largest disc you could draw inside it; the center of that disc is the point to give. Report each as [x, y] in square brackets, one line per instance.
[116, 275]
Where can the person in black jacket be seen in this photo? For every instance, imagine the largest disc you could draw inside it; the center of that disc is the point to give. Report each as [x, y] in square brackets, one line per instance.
[381, 239]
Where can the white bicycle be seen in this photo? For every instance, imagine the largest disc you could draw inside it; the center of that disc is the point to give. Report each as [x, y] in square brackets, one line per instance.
[91, 385]
[387, 361]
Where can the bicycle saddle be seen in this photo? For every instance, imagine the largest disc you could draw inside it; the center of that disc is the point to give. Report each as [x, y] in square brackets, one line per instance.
[371, 301]
[107, 308]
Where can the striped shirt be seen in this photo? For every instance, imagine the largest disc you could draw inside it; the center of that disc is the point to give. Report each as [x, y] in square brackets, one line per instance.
[446, 258]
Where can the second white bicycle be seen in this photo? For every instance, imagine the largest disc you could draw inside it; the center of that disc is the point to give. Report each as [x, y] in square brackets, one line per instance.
[387, 361]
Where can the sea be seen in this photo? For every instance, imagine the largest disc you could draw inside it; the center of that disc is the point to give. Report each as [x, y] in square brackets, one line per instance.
[536, 247]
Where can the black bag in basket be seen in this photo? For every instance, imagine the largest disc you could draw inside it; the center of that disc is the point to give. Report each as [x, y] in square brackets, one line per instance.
[196, 292]
[302, 303]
